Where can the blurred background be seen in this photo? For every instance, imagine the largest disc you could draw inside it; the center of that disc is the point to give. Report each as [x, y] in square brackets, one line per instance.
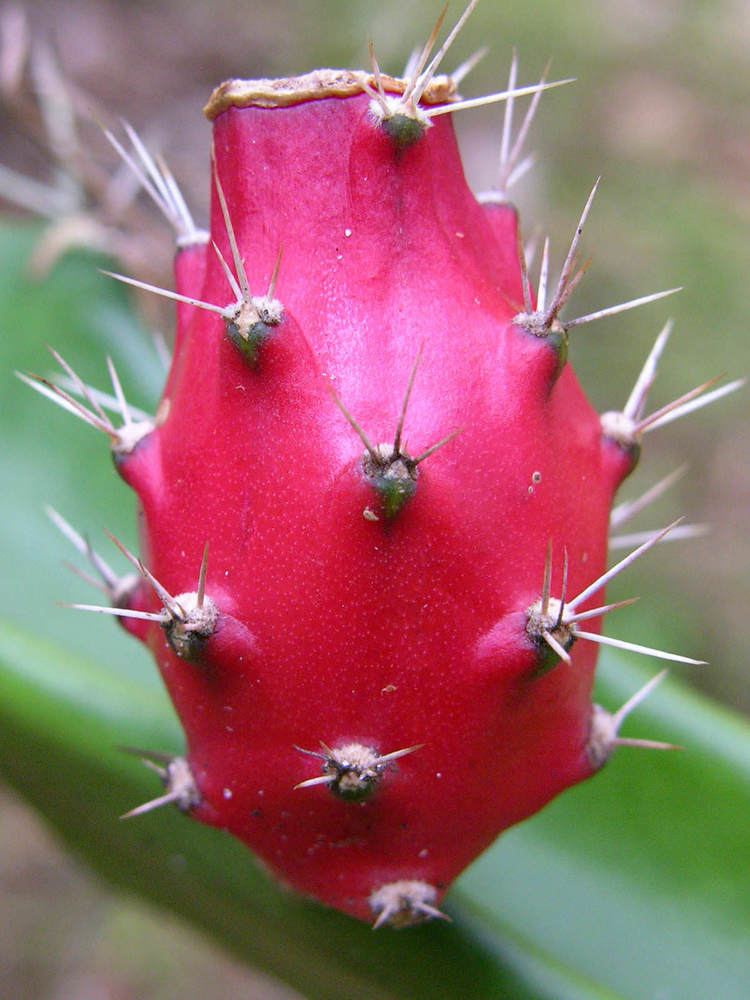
[660, 109]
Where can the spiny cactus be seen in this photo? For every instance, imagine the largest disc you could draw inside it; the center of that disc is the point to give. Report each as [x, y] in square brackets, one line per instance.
[376, 505]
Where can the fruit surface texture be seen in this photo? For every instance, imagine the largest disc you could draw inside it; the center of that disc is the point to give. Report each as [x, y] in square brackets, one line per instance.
[376, 506]
[341, 620]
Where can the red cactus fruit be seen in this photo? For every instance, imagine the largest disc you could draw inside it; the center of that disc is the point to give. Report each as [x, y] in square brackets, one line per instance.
[370, 424]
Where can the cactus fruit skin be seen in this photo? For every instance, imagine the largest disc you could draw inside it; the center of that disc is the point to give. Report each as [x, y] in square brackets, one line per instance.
[375, 503]
[385, 631]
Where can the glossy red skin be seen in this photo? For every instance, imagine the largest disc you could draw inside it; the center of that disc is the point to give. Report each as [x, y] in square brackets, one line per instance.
[333, 627]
